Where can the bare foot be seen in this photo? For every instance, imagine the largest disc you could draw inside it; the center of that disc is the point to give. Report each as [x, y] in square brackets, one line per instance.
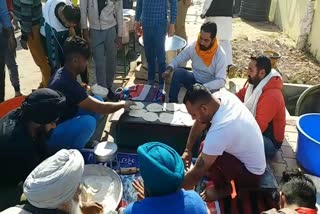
[213, 194]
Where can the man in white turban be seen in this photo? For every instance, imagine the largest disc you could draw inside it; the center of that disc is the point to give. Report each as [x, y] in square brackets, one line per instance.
[54, 185]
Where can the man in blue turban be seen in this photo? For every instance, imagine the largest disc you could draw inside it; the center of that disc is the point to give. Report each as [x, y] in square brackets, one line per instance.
[162, 170]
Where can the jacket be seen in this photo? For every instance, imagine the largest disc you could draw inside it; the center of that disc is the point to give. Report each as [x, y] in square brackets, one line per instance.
[110, 16]
[271, 110]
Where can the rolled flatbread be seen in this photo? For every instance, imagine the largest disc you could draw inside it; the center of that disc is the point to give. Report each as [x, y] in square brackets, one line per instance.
[154, 107]
[150, 116]
[183, 108]
[173, 106]
[137, 106]
[137, 113]
[166, 117]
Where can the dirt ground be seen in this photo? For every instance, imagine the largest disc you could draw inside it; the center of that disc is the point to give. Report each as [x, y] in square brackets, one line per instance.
[295, 65]
[248, 37]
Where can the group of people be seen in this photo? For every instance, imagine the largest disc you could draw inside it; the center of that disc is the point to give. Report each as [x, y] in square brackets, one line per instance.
[44, 29]
[49, 119]
[240, 130]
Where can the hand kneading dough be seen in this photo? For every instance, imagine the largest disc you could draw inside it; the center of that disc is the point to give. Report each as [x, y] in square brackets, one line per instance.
[137, 113]
[137, 106]
[166, 118]
[99, 189]
[154, 107]
[150, 116]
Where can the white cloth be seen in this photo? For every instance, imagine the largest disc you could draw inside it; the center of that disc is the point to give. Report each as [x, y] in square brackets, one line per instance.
[251, 97]
[234, 130]
[206, 6]
[55, 180]
[49, 15]
[224, 26]
[15, 210]
[224, 34]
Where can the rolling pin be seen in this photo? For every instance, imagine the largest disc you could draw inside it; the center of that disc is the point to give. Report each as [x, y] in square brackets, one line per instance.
[127, 171]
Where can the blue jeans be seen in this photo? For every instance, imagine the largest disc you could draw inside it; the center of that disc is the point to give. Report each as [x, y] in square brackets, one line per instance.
[180, 77]
[154, 47]
[76, 132]
[269, 148]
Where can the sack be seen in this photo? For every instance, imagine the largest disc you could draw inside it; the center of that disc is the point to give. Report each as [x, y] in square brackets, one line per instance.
[141, 92]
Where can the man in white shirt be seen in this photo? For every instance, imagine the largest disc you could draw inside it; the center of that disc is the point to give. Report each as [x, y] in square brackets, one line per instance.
[208, 64]
[233, 147]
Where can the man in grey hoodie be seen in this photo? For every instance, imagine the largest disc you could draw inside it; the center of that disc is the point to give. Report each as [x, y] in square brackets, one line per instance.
[104, 35]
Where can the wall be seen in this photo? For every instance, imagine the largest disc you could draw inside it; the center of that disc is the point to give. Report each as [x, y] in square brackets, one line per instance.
[287, 14]
[313, 40]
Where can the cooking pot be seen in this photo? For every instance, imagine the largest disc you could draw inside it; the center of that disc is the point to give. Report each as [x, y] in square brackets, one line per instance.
[126, 27]
[173, 46]
[105, 151]
[129, 13]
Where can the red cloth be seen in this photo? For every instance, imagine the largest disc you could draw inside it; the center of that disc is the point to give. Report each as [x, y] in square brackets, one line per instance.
[270, 108]
[221, 174]
[305, 210]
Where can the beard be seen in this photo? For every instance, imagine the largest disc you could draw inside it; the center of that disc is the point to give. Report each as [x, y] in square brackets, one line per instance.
[74, 207]
[40, 139]
[204, 48]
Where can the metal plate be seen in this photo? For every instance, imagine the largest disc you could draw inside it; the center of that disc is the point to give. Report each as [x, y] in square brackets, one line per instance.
[172, 43]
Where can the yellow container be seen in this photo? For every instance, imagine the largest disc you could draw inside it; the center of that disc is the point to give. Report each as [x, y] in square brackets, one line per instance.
[274, 57]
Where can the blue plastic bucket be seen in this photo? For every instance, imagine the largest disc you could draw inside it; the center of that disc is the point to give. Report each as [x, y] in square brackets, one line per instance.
[308, 146]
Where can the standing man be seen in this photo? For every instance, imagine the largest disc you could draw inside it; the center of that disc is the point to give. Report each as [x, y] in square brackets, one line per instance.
[152, 15]
[29, 14]
[58, 16]
[180, 26]
[106, 29]
[7, 43]
[262, 94]
[220, 12]
[208, 64]
[233, 146]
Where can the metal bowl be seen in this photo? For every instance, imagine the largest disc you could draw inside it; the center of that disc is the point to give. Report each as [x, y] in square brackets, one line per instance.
[174, 43]
[105, 151]
[99, 170]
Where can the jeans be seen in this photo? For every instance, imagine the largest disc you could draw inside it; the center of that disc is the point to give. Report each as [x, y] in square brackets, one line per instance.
[13, 69]
[269, 148]
[3, 48]
[76, 132]
[180, 76]
[154, 46]
[104, 51]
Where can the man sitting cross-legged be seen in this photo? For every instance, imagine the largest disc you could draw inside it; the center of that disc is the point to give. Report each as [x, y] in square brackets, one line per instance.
[208, 64]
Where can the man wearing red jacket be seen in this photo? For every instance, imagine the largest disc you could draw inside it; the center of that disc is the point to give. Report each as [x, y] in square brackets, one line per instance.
[263, 97]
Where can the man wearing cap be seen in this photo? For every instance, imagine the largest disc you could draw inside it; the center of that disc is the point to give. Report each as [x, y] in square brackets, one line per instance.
[162, 171]
[233, 147]
[54, 186]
